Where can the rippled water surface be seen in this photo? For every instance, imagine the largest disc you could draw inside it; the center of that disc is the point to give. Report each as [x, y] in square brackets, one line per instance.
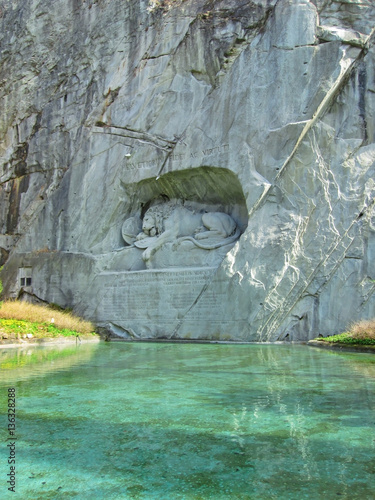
[188, 421]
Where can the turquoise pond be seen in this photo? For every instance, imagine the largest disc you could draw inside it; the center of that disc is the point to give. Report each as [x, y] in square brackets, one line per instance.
[189, 421]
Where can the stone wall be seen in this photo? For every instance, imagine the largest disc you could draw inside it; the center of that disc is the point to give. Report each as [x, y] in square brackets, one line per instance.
[190, 169]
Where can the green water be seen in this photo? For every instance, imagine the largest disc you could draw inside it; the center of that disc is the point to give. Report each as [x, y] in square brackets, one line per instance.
[184, 421]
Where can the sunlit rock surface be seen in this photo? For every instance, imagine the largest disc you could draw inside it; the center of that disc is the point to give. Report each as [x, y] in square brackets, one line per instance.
[260, 112]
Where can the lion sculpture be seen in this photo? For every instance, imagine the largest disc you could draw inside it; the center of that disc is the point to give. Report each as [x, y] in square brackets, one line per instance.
[172, 223]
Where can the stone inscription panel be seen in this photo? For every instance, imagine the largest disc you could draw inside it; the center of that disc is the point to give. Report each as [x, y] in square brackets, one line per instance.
[178, 157]
[153, 296]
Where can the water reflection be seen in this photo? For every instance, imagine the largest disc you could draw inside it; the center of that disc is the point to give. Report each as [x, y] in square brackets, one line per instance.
[22, 363]
[197, 421]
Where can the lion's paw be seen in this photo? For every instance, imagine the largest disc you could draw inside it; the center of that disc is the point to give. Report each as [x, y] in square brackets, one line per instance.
[147, 254]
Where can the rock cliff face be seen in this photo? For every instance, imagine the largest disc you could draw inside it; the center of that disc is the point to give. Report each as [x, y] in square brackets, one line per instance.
[191, 169]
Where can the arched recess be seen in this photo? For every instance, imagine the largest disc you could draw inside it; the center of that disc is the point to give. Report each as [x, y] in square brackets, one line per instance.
[213, 188]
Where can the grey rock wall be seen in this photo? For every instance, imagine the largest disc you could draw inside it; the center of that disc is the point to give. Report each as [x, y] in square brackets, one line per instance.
[260, 110]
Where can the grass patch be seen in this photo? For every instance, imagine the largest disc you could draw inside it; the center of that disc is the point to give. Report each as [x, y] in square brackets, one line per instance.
[361, 333]
[17, 317]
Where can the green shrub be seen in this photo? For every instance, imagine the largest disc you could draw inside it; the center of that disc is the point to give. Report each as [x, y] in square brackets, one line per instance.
[360, 333]
[347, 338]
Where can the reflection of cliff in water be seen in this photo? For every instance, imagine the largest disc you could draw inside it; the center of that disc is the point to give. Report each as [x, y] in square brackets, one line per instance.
[361, 363]
[283, 411]
[28, 362]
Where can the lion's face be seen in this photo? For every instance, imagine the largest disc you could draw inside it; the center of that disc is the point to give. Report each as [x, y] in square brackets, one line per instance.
[148, 225]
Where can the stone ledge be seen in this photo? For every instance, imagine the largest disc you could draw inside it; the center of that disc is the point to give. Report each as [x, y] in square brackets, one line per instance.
[200, 341]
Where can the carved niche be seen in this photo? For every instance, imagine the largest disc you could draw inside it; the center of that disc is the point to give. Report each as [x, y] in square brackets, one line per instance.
[190, 219]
